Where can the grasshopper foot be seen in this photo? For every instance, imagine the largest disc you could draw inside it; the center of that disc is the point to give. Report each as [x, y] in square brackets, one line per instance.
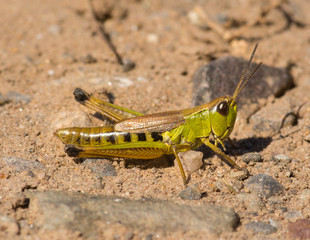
[246, 171]
[186, 180]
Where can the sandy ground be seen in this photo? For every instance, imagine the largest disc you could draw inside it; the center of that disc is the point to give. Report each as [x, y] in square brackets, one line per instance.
[48, 48]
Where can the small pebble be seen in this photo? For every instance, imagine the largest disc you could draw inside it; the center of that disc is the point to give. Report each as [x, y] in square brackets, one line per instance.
[305, 195]
[239, 175]
[68, 57]
[149, 237]
[191, 160]
[128, 65]
[55, 29]
[51, 72]
[88, 59]
[152, 38]
[122, 81]
[237, 185]
[293, 215]
[191, 193]
[141, 79]
[194, 18]
[281, 158]
[233, 186]
[253, 202]
[260, 227]
[251, 157]
[289, 174]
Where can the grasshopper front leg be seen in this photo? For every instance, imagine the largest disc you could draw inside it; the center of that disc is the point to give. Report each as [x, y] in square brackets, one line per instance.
[185, 180]
[226, 159]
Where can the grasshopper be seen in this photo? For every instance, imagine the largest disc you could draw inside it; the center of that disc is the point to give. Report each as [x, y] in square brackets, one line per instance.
[139, 136]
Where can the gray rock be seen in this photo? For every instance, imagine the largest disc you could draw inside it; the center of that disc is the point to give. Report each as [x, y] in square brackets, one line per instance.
[21, 164]
[18, 97]
[251, 157]
[101, 167]
[191, 193]
[221, 77]
[83, 212]
[260, 227]
[264, 185]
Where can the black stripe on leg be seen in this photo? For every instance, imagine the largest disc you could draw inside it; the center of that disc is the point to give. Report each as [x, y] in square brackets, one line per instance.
[86, 140]
[78, 140]
[127, 137]
[141, 137]
[96, 139]
[157, 136]
[111, 138]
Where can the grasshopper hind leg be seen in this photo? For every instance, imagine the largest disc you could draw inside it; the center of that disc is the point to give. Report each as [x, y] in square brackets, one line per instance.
[109, 110]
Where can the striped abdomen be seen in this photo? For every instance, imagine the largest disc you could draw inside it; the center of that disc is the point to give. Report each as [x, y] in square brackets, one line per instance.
[102, 136]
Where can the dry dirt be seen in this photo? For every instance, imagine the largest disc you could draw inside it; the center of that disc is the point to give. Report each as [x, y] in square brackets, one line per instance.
[48, 48]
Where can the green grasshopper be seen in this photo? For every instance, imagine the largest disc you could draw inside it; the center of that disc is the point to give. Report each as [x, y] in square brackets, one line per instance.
[139, 136]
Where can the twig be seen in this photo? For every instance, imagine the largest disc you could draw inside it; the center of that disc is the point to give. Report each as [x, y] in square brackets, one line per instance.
[100, 20]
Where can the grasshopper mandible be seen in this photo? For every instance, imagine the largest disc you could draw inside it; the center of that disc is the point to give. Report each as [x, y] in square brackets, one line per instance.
[139, 136]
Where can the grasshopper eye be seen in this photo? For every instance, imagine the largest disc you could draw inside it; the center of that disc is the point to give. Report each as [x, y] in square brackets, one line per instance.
[222, 108]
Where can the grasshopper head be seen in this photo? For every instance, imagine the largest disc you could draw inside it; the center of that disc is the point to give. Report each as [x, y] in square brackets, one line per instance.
[223, 116]
[224, 111]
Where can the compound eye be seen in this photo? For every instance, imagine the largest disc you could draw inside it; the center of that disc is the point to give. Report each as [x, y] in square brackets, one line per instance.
[222, 108]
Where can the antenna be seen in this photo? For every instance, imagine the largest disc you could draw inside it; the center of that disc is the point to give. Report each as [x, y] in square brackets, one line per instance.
[243, 82]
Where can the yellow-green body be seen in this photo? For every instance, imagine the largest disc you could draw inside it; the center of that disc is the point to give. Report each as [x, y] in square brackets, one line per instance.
[135, 135]
[106, 141]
